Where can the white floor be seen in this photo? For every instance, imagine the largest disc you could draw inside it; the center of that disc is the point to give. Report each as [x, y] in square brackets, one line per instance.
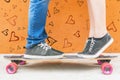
[59, 71]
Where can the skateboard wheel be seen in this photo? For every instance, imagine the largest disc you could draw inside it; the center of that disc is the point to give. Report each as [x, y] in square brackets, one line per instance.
[22, 62]
[11, 68]
[107, 68]
[100, 62]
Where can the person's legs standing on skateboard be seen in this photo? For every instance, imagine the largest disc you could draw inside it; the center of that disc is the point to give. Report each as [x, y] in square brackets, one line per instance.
[36, 46]
[99, 39]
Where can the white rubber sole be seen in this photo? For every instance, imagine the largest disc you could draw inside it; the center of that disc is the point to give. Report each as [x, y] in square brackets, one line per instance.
[99, 52]
[43, 57]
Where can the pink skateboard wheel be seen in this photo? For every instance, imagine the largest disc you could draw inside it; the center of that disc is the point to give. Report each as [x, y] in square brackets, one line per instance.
[11, 68]
[107, 68]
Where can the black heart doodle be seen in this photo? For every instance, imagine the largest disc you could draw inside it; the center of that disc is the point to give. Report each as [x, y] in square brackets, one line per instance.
[77, 34]
[51, 41]
[67, 43]
[5, 32]
[13, 37]
[12, 20]
[56, 10]
[51, 23]
[112, 27]
[80, 2]
[70, 20]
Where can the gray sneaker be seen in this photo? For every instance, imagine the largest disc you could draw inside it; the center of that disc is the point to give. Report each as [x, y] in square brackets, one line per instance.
[86, 48]
[97, 46]
[42, 50]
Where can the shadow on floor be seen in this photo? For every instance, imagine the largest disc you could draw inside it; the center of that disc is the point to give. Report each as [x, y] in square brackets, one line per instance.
[60, 66]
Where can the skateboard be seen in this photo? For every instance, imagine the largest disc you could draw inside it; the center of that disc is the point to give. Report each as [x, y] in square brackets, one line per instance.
[103, 61]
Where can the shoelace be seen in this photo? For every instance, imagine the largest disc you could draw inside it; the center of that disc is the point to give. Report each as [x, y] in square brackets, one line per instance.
[44, 46]
[86, 44]
[92, 45]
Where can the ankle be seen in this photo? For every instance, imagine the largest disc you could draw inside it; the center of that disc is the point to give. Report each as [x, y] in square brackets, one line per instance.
[100, 35]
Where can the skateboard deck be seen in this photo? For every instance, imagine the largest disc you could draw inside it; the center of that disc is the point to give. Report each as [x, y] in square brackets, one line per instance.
[21, 60]
[65, 57]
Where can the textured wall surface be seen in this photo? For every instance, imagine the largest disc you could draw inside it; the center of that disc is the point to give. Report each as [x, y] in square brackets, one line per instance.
[67, 25]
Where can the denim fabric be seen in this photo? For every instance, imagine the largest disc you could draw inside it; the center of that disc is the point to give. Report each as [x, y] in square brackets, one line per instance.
[36, 22]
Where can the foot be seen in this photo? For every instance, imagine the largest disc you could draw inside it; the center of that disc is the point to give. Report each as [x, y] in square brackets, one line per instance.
[97, 46]
[42, 50]
[86, 48]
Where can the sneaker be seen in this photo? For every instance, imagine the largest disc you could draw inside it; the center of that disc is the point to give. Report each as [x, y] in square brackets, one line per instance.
[86, 48]
[97, 46]
[42, 50]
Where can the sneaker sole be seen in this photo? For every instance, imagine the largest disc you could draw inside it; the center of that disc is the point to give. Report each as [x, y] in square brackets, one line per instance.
[99, 52]
[43, 57]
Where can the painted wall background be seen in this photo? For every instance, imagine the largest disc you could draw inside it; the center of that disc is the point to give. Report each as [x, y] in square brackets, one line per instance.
[67, 25]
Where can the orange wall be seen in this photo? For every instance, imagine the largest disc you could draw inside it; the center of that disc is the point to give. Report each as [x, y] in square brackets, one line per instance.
[67, 25]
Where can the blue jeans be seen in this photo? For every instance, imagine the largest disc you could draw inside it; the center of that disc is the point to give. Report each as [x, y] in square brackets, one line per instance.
[36, 22]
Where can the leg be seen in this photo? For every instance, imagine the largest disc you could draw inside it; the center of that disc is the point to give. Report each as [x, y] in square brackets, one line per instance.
[100, 38]
[97, 11]
[91, 33]
[36, 22]
[92, 23]
[36, 46]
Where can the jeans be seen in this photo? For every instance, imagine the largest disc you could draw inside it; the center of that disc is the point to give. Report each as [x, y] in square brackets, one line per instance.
[36, 22]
